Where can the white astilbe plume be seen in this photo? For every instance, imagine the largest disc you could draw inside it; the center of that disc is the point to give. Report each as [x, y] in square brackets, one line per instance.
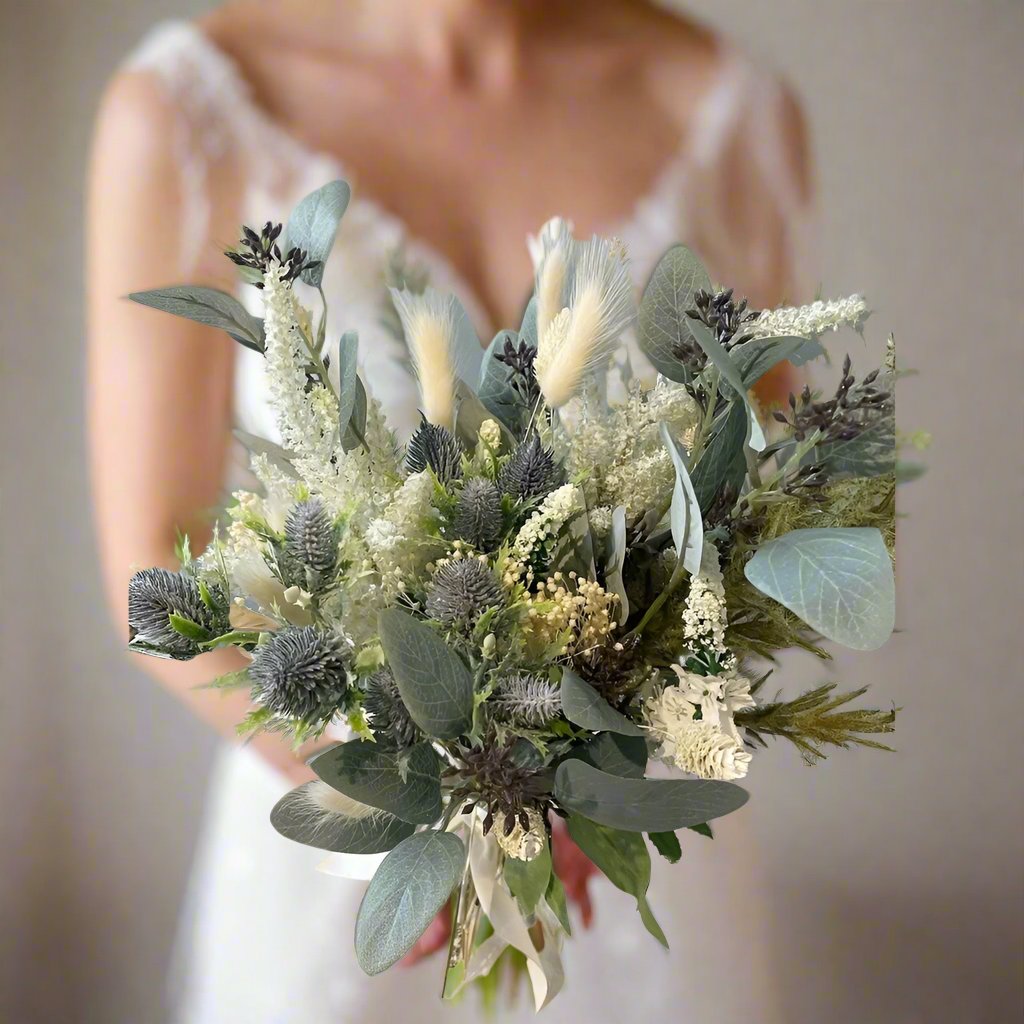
[431, 323]
[551, 252]
[810, 321]
[308, 422]
[582, 337]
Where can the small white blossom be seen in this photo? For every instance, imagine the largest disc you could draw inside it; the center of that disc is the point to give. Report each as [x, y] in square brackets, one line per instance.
[543, 526]
[704, 618]
[698, 746]
[810, 321]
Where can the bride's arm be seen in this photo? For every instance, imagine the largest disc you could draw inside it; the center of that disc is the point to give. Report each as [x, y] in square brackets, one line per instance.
[159, 387]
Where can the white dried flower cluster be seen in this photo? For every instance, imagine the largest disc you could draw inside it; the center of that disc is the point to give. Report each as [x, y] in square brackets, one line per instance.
[398, 542]
[704, 617]
[812, 320]
[521, 843]
[542, 527]
[709, 747]
[308, 422]
[621, 449]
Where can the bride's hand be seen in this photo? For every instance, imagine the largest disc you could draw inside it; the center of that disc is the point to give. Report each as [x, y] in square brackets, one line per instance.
[570, 864]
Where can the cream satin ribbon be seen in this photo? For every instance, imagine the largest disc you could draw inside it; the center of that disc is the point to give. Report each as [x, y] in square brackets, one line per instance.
[510, 929]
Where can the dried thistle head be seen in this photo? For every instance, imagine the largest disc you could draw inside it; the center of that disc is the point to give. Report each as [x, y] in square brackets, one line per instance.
[509, 785]
[389, 717]
[461, 590]
[310, 552]
[478, 517]
[436, 447]
[530, 471]
[156, 594]
[301, 674]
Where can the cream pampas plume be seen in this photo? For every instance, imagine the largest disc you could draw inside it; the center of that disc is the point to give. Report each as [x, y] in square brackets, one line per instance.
[443, 347]
[580, 339]
[551, 252]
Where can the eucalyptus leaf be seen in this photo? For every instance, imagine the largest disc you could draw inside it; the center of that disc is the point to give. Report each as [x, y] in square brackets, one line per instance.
[528, 880]
[208, 306]
[616, 561]
[406, 784]
[756, 357]
[411, 885]
[585, 707]
[313, 226]
[555, 899]
[730, 372]
[839, 581]
[348, 377]
[278, 457]
[667, 844]
[470, 414]
[643, 805]
[663, 324]
[434, 683]
[685, 514]
[616, 754]
[624, 860]
[722, 462]
[297, 818]
[353, 435]
[574, 550]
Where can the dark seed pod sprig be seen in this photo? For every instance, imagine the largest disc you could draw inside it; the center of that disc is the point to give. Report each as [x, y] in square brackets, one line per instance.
[260, 252]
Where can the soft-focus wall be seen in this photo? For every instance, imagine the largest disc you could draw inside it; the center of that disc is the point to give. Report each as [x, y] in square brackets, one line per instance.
[896, 878]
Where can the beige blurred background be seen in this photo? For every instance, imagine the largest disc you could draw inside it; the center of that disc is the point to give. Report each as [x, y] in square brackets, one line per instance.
[896, 879]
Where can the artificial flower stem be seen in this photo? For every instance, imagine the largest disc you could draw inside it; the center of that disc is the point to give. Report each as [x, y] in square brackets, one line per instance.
[709, 414]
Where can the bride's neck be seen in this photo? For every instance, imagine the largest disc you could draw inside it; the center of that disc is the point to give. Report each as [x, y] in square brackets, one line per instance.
[483, 41]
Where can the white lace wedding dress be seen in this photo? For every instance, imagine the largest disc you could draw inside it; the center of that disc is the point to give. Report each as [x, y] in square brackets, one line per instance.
[267, 939]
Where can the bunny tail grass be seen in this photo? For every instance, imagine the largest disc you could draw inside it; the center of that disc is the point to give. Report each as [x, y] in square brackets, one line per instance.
[429, 322]
[580, 339]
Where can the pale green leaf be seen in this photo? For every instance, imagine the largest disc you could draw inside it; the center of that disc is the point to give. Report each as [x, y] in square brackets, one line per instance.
[623, 859]
[314, 224]
[839, 581]
[663, 324]
[404, 783]
[434, 682]
[643, 805]
[348, 377]
[208, 306]
[729, 371]
[585, 707]
[528, 879]
[685, 514]
[411, 885]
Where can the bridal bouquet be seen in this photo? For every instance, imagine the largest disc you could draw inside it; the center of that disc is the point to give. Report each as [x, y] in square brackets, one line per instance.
[564, 578]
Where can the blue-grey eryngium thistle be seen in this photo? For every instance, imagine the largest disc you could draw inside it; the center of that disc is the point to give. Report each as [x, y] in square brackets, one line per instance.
[478, 514]
[530, 471]
[436, 447]
[156, 594]
[389, 717]
[527, 700]
[310, 552]
[462, 590]
[301, 674]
